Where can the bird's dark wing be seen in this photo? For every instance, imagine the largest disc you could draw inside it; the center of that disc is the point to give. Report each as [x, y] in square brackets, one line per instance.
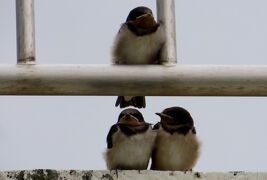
[112, 130]
[156, 126]
[139, 101]
[136, 101]
[194, 130]
[153, 159]
[122, 102]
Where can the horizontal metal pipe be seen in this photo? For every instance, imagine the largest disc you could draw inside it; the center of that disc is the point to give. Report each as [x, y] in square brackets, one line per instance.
[150, 80]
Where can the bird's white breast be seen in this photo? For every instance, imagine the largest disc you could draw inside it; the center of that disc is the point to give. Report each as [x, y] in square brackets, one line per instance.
[131, 151]
[132, 49]
[176, 151]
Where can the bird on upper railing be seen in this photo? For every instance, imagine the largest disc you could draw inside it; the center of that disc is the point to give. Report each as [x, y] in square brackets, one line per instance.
[139, 41]
[129, 142]
[177, 147]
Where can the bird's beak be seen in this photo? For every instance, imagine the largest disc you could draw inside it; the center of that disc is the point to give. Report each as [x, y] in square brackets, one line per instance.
[166, 118]
[162, 115]
[128, 119]
[145, 21]
[144, 15]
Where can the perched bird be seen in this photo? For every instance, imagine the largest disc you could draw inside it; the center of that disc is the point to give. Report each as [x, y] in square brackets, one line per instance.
[139, 41]
[177, 147]
[129, 142]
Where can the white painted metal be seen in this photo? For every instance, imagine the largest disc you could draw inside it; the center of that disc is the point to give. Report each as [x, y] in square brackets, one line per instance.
[150, 80]
[25, 31]
[166, 15]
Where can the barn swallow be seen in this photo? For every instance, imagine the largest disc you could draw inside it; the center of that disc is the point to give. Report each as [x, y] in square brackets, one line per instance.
[139, 41]
[177, 147]
[129, 142]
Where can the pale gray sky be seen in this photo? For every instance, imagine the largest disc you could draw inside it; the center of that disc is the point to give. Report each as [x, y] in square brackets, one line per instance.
[69, 132]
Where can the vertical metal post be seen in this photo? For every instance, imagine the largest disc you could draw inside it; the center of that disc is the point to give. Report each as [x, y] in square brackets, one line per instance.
[166, 16]
[25, 32]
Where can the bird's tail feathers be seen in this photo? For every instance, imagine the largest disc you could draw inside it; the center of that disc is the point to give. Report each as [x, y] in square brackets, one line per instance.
[136, 101]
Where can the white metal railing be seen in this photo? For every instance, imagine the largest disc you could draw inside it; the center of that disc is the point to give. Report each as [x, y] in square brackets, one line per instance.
[167, 79]
[166, 15]
[25, 31]
[157, 80]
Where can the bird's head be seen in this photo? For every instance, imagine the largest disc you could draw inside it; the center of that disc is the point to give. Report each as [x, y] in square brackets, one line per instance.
[141, 21]
[176, 116]
[131, 117]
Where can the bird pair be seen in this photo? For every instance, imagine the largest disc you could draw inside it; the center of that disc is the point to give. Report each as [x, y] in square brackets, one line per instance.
[172, 143]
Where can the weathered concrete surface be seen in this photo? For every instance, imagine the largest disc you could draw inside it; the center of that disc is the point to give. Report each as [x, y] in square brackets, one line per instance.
[47, 174]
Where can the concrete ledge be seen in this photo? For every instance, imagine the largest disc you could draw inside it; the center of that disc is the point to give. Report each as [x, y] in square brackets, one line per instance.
[47, 174]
